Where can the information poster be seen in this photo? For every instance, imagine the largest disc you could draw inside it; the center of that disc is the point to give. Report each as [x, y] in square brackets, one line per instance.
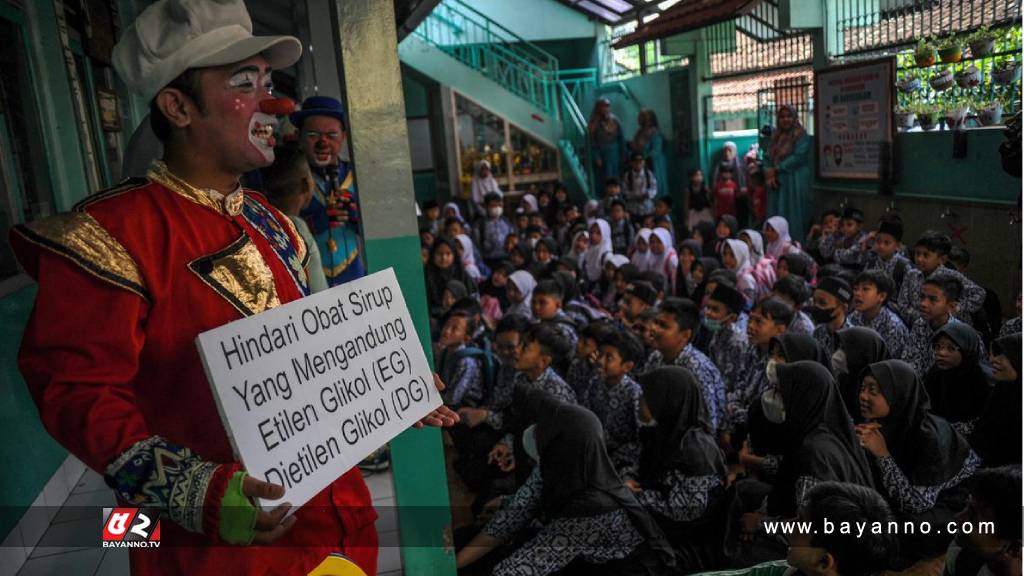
[854, 119]
[308, 389]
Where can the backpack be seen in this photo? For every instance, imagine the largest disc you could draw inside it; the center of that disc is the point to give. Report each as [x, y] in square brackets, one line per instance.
[487, 359]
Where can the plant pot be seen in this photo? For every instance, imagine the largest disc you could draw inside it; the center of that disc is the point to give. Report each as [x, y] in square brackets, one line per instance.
[969, 77]
[925, 59]
[905, 120]
[951, 55]
[908, 86]
[927, 121]
[955, 119]
[942, 81]
[991, 116]
[982, 48]
[1006, 76]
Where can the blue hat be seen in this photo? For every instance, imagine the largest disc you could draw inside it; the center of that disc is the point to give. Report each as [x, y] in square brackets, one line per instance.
[318, 106]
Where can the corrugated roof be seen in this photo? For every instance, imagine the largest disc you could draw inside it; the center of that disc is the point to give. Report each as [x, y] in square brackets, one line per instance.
[686, 16]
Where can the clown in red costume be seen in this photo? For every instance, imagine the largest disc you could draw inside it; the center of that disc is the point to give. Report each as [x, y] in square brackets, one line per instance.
[132, 275]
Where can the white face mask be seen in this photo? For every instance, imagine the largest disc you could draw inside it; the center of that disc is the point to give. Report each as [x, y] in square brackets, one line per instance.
[773, 407]
[649, 424]
[771, 372]
[532, 243]
[496, 211]
[839, 365]
[530, 443]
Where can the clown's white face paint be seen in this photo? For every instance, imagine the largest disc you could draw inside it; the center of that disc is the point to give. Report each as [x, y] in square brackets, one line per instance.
[261, 134]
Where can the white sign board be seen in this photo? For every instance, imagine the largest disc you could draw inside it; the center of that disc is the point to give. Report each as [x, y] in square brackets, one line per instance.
[308, 389]
[854, 118]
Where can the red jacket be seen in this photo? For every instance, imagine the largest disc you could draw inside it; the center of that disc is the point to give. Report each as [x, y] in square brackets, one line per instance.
[126, 282]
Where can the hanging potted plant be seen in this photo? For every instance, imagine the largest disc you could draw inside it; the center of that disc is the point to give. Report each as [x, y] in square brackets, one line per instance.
[983, 41]
[951, 50]
[905, 117]
[909, 82]
[1006, 71]
[942, 80]
[926, 115]
[925, 54]
[954, 113]
[968, 77]
[990, 113]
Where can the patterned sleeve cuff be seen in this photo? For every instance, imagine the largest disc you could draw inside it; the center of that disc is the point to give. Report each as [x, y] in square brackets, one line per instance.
[495, 419]
[155, 473]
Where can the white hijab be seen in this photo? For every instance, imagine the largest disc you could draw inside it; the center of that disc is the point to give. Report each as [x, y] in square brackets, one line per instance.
[756, 244]
[529, 200]
[468, 259]
[742, 254]
[483, 186]
[642, 259]
[593, 258]
[656, 262]
[617, 260]
[781, 246]
[525, 283]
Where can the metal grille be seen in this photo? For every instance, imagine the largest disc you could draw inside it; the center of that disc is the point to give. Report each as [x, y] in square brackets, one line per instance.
[757, 97]
[756, 43]
[864, 27]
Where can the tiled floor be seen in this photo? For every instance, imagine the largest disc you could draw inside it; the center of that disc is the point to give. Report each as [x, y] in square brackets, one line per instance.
[77, 521]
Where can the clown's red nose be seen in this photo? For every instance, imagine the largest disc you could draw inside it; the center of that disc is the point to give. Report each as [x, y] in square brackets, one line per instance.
[277, 106]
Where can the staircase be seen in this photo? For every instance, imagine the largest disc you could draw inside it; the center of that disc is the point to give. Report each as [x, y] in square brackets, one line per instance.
[456, 45]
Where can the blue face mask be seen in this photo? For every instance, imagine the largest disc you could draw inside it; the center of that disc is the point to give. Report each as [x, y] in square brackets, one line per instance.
[712, 325]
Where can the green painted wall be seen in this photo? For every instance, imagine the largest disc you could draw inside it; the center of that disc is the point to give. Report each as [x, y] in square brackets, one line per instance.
[417, 98]
[425, 186]
[28, 452]
[577, 53]
[537, 20]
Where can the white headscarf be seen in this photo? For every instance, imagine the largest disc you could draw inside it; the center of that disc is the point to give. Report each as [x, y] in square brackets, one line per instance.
[781, 246]
[657, 261]
[642, 259]
[742, 254]
[468, 259]
[531, 201]
[458, 212]
[617, 260]
[525, 283]
[483, 186]
[756, 244]
[593, 257]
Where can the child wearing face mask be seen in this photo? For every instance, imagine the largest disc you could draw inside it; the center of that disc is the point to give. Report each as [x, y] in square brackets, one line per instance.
[491, 231]
[831, 298]
[768, 319]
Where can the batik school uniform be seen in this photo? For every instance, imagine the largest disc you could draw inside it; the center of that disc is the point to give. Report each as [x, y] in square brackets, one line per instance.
[971, 300]
[622, 235]
[582, 378]
[747, 388]
[619, 413]
[564, 324]
[801, 324]
[889, 326]
[1011, 326]
[549, 381]
[896, 267]
[832, 243]
[918, 352]
[589, 517]
[463, 376]
[499, 398]
[927, 463]
[826, 338]
[707, 374]
[682, 469]
[730, 352]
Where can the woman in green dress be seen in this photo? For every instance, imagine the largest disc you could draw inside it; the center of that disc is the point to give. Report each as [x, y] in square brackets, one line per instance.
[788, 172]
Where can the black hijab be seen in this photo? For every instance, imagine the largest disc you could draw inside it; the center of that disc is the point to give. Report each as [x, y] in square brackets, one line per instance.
[817, 435]
[863, 347]
[796, 347]
[733, 225]
[578, 476]
[681, 275]
[925, 446]
[959, 394]
[707, 235]
[997, 436]
[437, 279]
[710, 265]
[682, 439]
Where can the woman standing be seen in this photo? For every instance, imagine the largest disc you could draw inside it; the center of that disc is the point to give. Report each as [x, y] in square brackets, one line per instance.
[649, 142]
[606, 141]
[788, 172]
